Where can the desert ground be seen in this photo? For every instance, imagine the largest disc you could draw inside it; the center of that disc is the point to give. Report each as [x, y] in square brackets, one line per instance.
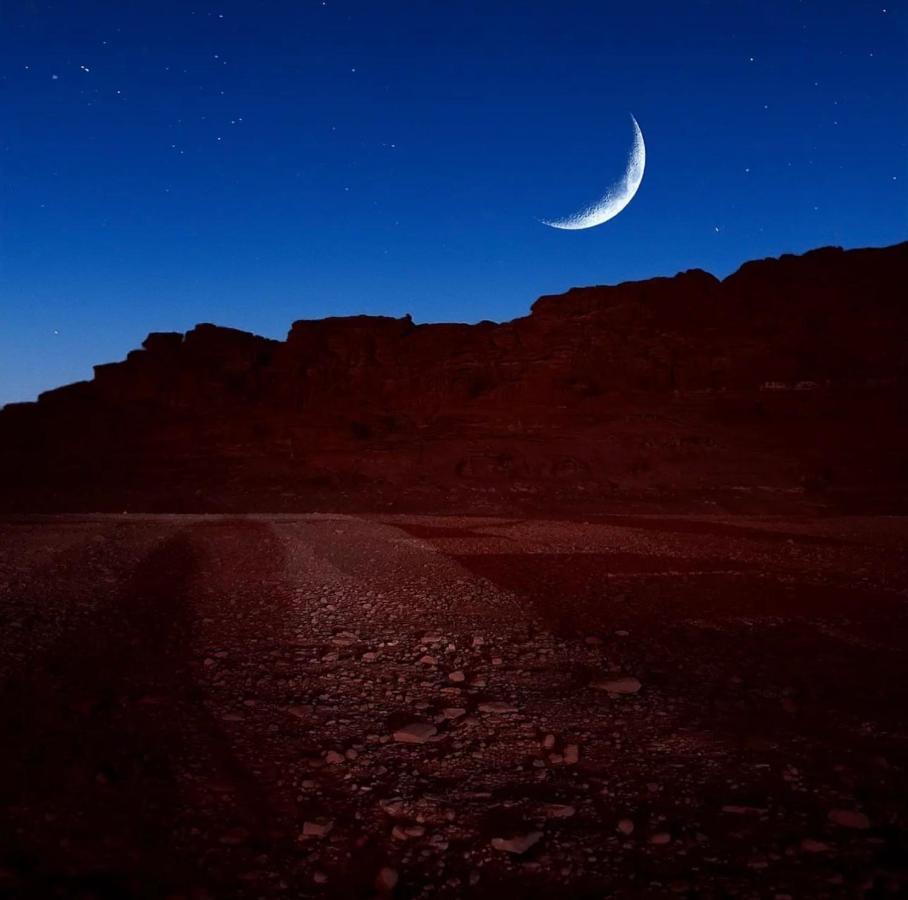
[413, 706]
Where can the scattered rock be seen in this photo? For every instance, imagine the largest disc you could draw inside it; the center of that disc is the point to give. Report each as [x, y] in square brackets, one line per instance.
[400, 833]
[626, 826]
[497, 707]
[849, 818]
[234, 837]
[415, 733]
[559, 811]
[809, 845]
[386, 880]
[518, 843]
[625, 685]
[316, 829]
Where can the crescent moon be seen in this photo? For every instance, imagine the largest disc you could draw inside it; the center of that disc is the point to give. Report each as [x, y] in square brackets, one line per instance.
[616, 197]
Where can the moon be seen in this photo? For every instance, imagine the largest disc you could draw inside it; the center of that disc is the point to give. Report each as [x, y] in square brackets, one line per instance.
[615, 198]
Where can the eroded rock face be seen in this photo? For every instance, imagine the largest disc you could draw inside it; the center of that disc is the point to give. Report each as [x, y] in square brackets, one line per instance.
[778, 386]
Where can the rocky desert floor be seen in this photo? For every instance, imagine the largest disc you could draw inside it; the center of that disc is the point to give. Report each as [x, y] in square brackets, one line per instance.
[411, 706]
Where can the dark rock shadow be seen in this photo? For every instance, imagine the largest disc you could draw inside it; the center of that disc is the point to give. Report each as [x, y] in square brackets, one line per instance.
[104, 737]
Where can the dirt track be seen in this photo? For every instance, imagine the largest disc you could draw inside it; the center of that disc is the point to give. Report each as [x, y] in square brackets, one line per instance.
[207, 707]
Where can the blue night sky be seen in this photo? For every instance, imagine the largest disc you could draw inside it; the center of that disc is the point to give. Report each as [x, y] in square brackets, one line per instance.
[252, 163]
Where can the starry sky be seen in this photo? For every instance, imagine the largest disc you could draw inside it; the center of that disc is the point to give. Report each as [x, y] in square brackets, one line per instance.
[174, 162]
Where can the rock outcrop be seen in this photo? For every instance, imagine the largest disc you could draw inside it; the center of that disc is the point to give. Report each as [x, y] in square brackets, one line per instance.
[783, 385]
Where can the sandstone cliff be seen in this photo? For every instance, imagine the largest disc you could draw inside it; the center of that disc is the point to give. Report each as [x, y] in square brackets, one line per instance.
[782, 386]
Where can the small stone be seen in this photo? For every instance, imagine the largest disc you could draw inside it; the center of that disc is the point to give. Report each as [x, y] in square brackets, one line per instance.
[661, 837]
[315, 829]
[497, 707]
[548, 741]
[453, 712]
[571, 754]
[559, 811]
[457, 676]
[626, 826]
[234, 837]
[520, 843]
[625, 685]
[333, 758]
[849, 818]
[386, 879]
[415, 733]
[809, 845]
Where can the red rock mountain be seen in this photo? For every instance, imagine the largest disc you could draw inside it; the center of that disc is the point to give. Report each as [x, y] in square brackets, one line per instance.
[781, 387]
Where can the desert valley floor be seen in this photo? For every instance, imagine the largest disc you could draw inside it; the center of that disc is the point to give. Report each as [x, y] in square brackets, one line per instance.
[412, 706]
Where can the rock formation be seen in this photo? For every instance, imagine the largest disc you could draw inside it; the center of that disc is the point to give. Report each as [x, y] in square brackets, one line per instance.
[781, 386]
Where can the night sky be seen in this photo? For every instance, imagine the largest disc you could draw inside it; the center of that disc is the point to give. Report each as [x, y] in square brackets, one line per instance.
[253, 163]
